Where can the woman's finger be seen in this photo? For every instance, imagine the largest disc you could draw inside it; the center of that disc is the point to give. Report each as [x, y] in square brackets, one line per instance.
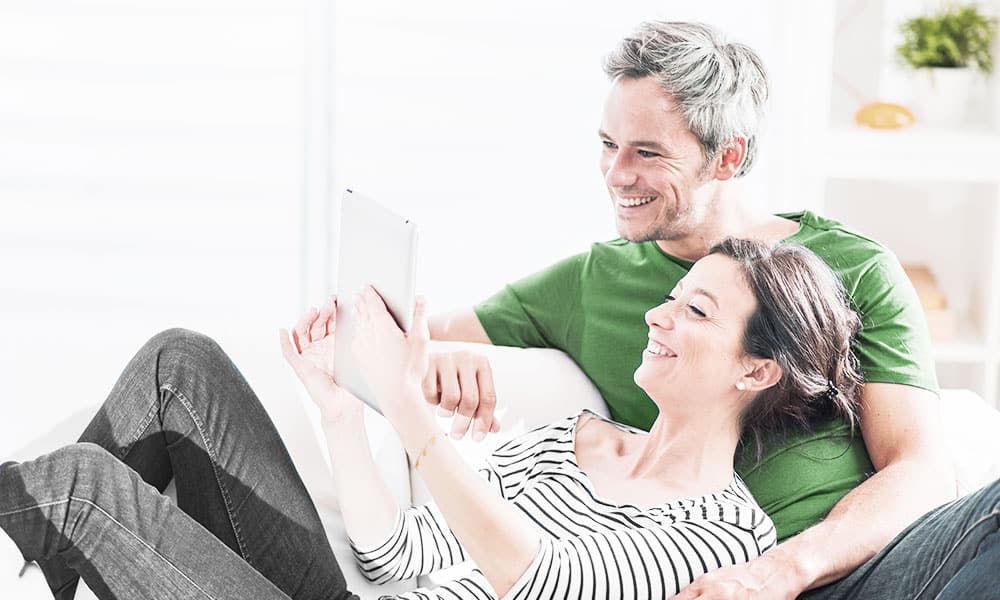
[288, 350]
[302, 327]
[360, 309]
[286, 346]
[418, 328]
[297, 341]
[317, 330]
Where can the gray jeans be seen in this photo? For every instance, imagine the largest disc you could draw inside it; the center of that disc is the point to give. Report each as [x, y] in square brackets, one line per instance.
[243, 525]
[950, 553]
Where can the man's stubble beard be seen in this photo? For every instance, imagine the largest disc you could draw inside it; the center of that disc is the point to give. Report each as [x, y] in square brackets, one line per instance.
[669, 227]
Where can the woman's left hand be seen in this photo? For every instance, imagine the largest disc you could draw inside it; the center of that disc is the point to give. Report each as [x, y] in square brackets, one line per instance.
[309, 351]
[392, 361]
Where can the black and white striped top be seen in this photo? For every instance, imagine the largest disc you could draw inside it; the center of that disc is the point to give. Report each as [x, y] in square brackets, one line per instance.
[591, 548]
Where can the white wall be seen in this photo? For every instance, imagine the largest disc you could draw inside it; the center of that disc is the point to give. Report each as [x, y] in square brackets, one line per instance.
[150, 176]
[171, 162]
[479, 121]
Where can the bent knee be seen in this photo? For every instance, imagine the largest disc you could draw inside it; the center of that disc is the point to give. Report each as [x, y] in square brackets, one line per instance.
[188, 346]
[82, 458]
[178, 337]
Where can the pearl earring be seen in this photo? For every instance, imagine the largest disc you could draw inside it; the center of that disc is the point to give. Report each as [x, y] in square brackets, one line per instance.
[741, 386]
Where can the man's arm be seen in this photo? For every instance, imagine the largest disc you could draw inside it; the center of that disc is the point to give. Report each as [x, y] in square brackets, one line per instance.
[458, 326]
[901, 429]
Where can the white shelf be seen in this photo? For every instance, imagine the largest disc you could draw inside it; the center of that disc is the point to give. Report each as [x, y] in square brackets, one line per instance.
[913, 154]
[963, 352]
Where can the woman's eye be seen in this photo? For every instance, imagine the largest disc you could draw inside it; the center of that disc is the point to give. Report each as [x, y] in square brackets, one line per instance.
[668, 298]
[696, 310]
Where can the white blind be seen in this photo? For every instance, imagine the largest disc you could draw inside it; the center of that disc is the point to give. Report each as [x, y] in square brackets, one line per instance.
[150, 176]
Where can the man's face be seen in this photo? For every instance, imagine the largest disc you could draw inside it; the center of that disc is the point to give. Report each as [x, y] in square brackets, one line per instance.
[652, 163]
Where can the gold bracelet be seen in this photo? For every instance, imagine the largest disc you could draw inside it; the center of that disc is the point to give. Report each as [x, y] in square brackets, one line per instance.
[427, 446]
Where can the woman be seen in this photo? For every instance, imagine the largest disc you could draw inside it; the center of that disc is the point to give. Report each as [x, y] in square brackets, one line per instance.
[753, 341]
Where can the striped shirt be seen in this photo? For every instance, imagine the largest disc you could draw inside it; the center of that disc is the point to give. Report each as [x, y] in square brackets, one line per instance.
[591, 547]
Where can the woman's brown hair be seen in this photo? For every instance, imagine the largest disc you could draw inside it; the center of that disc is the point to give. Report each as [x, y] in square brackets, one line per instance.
[805, 323]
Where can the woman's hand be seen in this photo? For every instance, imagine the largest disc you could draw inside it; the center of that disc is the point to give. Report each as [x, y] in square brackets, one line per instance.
[309, 351]
[393, 362]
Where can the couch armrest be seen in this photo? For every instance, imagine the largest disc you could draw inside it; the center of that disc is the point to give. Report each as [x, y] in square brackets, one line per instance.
[972, 429]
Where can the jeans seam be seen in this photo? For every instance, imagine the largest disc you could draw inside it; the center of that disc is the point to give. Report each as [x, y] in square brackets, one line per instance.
[143, 425]
[121, 526]
[215, 467]
[993, 515]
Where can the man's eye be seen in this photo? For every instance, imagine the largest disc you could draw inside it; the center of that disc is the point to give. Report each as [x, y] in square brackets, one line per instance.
[609, 145]
[647, 154]
[696, 310]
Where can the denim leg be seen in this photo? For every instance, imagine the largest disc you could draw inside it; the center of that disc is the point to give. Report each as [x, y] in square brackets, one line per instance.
[951, 552]
[182, 411]
[120, 534]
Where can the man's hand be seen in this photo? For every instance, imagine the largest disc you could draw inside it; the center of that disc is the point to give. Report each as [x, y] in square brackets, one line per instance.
[461, 383]
[764, 578]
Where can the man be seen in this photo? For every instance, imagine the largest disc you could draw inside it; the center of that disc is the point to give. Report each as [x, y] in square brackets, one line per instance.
[679, 129]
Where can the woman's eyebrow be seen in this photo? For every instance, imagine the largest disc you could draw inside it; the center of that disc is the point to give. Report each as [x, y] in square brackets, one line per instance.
[707, 294]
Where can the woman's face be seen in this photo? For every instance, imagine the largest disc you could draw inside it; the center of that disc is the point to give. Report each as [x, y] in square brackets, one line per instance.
[695, 348]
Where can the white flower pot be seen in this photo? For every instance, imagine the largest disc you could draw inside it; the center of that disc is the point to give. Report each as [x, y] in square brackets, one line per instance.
[942, 97]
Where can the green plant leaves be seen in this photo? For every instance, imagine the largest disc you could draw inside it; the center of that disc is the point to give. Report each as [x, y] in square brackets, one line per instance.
[955, 36]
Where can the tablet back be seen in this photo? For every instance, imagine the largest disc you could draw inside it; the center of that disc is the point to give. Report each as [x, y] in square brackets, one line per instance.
[377, 247]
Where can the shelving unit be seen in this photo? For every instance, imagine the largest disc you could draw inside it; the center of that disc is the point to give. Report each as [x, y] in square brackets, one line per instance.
[930, 195]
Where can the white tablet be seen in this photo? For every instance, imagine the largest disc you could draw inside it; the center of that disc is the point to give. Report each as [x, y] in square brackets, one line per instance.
[376, 247]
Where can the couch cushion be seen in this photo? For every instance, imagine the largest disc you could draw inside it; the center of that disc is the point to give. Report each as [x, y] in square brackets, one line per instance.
[972, 429]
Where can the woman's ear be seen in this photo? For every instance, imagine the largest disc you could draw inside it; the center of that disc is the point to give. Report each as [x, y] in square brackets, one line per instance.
[761, 374]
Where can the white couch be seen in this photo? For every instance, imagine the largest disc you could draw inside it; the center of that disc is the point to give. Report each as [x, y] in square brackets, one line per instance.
[534, 387]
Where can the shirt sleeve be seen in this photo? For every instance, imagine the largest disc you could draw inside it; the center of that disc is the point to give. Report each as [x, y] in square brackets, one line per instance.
[420, 543]
[652, 562]
[535, 312]
[894, 344]
[473, 586]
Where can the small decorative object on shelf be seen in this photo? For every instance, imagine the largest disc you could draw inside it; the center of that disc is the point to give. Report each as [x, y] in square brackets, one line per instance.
[943, 47]
[940, 319]
[884, 115]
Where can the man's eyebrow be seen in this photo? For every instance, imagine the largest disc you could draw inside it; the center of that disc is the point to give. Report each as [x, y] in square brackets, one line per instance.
[639, 143]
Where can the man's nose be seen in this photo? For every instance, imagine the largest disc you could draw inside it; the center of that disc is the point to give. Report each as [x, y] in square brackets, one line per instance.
[619, 173]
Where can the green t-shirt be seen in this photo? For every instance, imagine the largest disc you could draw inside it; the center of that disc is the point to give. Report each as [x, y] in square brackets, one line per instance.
[591, 306]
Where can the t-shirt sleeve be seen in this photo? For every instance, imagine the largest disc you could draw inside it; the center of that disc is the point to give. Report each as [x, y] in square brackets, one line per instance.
[894, 345]
[535, 312]
[421, 543]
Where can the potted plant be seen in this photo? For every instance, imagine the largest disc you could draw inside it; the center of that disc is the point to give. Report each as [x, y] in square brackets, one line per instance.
[947, 49]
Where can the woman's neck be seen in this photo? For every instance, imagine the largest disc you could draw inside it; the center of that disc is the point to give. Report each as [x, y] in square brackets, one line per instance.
[694, 450]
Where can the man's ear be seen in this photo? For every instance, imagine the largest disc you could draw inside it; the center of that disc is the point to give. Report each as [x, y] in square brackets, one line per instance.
[761, 374]
[731, 158]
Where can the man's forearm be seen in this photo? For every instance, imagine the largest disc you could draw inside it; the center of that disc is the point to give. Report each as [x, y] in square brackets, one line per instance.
[458, 326]
[864, 521]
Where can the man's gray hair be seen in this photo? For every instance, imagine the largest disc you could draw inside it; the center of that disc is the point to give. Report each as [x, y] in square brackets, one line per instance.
[720, 87]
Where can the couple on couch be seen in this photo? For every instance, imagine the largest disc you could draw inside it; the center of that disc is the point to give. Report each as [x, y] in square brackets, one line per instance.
[752, 364]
